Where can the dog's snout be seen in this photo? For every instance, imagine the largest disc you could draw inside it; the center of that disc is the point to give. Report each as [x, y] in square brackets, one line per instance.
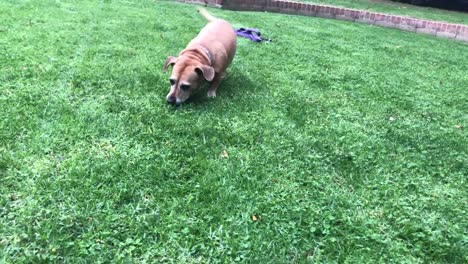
[171, 99]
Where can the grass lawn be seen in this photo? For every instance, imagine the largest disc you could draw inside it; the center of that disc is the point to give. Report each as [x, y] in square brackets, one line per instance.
[344, 141]
[398, 8]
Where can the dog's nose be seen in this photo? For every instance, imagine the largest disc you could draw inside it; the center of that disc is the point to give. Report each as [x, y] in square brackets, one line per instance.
[171, 99]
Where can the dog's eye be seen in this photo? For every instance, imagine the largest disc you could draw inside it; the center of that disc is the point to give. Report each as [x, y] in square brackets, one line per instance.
[172, 81]
[184, 87]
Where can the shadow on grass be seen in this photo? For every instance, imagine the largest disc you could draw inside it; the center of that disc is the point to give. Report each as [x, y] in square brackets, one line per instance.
[233, 87]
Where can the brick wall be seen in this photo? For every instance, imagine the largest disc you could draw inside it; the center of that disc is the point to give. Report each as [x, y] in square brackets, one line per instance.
[435, 28]
[214, 3]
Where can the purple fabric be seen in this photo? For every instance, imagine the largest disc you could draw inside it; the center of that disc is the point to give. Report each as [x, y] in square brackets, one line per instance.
[251, 33]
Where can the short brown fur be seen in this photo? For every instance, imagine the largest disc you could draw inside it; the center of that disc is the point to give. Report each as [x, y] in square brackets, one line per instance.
[206, 57]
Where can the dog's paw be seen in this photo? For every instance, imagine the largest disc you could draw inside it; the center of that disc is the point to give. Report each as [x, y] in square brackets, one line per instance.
[211, 94]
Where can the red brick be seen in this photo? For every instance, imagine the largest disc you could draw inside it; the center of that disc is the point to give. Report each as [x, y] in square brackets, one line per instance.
[464, 31]
[406, 21]
[309, 11]
[366, 15]
[285, 3]
[398, 20]
[406, 27]
[364, 21]
[345, 18]
[325, 15]
[436, 25]
[446, 34]
[340, 11]
[419, 23]
[271, 3]
[302, 6]
[454, 29]
[362, 14]
[294, 5]
[428, 24]
[324, 9]
[355, 14]
[385, 23]
[278, 4]
[426, 30]
[462, 38]
[411, 22]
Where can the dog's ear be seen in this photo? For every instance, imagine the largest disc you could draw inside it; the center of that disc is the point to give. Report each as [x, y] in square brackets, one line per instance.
[207, 72]
[170, 61]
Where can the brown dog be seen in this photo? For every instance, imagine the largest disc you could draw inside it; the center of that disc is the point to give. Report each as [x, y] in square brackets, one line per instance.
[206, 57]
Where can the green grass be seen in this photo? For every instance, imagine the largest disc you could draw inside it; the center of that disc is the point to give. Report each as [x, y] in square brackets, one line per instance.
[341, 140]
[397, 8]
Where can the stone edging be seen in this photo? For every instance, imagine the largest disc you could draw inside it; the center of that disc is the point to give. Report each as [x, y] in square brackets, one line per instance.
[435, 28]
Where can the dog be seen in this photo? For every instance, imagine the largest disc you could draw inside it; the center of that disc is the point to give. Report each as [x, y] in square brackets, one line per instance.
[206, 57]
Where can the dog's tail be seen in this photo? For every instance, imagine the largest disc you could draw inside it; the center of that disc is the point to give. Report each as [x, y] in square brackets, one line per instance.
[207, 15]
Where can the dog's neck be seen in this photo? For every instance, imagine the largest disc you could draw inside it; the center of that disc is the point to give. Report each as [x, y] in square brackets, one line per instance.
[200, 53]
[207, 53]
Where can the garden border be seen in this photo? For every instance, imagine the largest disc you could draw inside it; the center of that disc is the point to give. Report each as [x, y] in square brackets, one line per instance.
[435, 28]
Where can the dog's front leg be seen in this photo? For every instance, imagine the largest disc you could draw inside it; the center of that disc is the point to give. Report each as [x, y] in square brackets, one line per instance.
[215, 84]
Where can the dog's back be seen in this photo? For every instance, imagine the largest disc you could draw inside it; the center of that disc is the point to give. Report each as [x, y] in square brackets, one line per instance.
[218, 36]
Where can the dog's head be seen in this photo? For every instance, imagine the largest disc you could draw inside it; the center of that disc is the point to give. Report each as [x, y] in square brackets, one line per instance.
[186, 77]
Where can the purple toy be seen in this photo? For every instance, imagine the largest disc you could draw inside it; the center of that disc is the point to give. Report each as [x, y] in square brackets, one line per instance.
[251, 33]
